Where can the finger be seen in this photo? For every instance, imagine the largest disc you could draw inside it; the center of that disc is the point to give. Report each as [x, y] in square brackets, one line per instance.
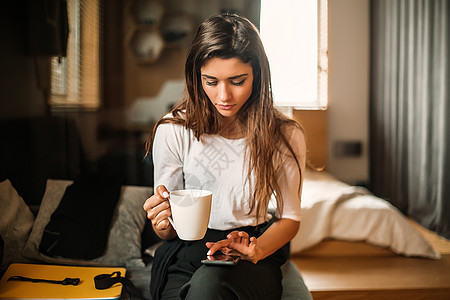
[211, 257]
[228, 251]
[233, 235]
[239, 237]
[243, 234]
[148, 204]
[160, 221]
[217, 246]
[244, 237]
[153, 201]
[210, 244]
[162, 225]
[162, 191]
[157, 209]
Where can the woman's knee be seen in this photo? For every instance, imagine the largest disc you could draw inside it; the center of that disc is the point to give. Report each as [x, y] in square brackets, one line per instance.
[244, 281]
[210, 282]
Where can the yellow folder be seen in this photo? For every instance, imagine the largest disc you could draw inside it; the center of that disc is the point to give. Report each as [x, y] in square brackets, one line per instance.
[43, 290]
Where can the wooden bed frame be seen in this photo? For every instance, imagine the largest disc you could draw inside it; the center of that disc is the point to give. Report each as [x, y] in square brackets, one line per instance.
[356, 270]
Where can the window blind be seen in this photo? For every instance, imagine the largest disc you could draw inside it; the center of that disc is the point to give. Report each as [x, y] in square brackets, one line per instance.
[75, 79]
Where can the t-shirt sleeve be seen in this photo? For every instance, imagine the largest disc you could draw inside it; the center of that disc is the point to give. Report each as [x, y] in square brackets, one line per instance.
[290, 176]
[168, 156]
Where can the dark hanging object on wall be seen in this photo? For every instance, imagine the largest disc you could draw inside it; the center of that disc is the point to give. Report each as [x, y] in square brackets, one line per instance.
[48, 27]
[2, 244]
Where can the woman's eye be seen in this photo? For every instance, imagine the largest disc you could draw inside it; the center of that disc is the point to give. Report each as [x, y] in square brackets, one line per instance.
[211, 82]
[239, 83]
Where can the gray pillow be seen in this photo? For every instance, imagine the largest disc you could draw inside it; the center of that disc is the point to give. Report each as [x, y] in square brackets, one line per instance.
[16, 221]
[124, 241]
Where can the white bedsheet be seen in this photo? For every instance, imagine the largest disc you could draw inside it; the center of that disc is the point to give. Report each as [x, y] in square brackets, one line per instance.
[334, 209]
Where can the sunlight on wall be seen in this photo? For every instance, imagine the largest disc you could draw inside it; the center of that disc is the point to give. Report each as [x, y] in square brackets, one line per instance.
[294, 36]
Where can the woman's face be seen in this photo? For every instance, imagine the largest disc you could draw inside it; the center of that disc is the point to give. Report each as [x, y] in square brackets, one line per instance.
[227, 83]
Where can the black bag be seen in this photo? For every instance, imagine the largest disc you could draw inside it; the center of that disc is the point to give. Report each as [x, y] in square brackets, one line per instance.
[105, 281]
[79, 226]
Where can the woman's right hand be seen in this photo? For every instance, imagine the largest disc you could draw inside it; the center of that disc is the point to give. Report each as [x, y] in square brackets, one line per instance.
[158, 211]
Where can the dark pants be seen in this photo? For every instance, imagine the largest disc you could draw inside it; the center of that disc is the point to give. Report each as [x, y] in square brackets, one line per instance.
[187, 278]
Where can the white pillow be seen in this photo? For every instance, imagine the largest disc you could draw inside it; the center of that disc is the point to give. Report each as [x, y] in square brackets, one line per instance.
[16, 221]
[124, 241]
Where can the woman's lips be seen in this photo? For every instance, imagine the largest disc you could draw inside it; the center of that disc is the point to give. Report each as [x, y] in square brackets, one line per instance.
[225, 107]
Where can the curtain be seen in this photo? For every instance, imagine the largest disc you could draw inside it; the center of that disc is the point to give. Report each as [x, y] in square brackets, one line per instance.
[410, 108]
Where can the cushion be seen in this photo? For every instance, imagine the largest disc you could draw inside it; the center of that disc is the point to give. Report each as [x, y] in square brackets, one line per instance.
[16, 221]
[124, 241]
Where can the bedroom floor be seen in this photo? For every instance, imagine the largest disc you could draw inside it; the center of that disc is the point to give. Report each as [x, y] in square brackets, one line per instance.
[349, 270]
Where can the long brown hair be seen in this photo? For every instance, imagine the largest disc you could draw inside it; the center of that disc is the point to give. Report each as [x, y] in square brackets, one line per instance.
[229, 36]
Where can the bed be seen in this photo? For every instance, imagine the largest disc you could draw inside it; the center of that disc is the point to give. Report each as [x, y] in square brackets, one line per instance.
[354, 245]
[332, 209]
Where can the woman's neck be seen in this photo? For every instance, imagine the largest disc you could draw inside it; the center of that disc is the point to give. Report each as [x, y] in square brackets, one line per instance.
[232, 129]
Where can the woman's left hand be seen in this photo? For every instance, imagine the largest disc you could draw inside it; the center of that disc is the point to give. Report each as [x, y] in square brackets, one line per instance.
[237, 243]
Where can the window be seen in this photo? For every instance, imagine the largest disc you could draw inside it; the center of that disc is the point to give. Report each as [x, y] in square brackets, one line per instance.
[75, 79]
[294, 34]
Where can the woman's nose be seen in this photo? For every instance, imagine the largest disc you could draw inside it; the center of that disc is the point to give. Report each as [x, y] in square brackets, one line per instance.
[223, 93]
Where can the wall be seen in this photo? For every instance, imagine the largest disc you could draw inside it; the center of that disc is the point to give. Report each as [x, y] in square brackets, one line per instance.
[24, 83]
[348, 89]
[21, 76]
[142, 80]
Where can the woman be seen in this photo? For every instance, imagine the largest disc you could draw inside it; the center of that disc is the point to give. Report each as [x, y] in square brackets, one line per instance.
[227, 137]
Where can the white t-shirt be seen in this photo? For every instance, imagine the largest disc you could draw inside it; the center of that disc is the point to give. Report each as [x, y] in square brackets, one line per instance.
[218, 164]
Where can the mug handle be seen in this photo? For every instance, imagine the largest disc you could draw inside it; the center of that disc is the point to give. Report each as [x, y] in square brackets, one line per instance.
[172, 223]
[170, 218]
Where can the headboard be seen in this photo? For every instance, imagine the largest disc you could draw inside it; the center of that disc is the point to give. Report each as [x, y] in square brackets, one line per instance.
[314, 123]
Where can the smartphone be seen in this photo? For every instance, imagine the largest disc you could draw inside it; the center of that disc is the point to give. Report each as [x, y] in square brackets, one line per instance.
[219, 259]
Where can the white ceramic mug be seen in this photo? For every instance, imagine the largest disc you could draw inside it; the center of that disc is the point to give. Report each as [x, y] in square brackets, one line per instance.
[190, 213]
